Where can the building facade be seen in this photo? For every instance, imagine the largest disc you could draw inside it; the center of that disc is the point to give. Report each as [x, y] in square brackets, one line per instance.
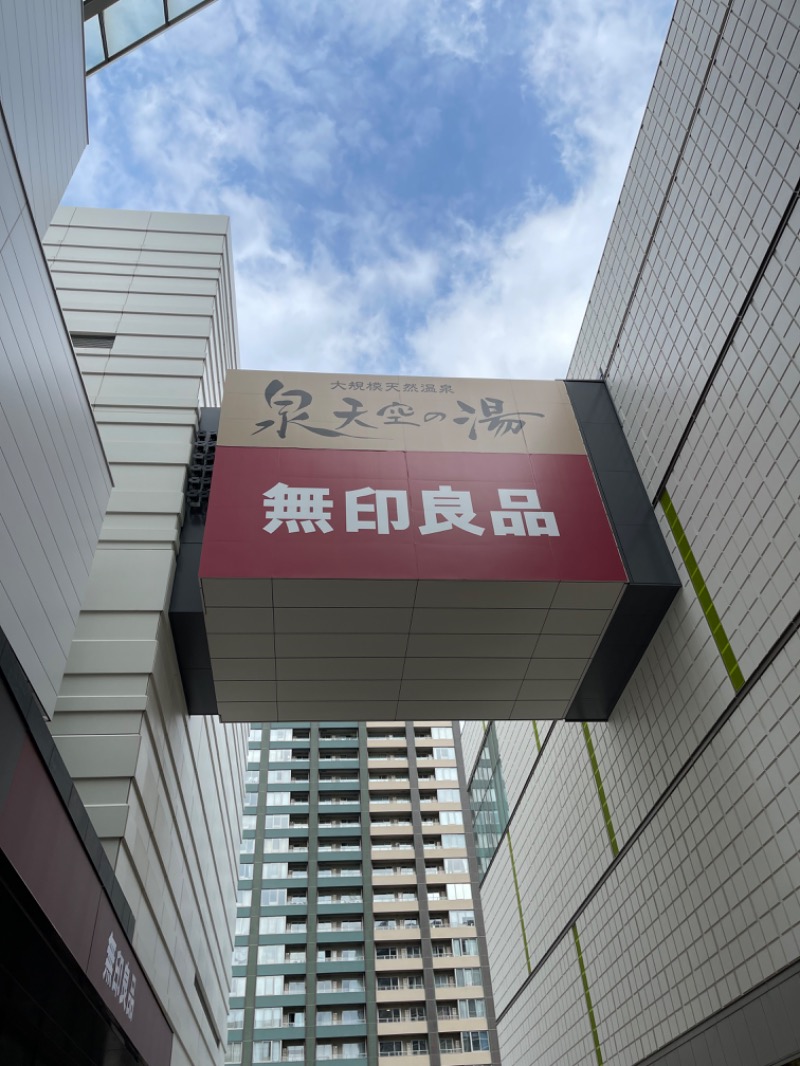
[119, 815]
[358, 936]
[640, 876]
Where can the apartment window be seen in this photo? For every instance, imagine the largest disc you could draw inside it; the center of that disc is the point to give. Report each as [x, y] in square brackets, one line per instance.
[275, 845]
[273, 897]
[238, 985]
[295, 1018]
[272, 924]
[462, 918]
[275, 869]
[472, 1008]
[459, 891]
[255, 733]
[444, 753]
[448, 795]
[251, 799]
[276, 821]
[477, 1041]
[453, 840]
[246, 871]
[280, 755]
[388, 984]
[280, 734]
[278, 799]
[266, 1051]
[294, 1052]
[269, 986]
[456, 866]
[451, 818]
[247, 847]
[251, 777]
[236, 1018]
[270, 954]
[242, 927]
[468, 977]
[267, 1017]
[390, 1047]
[233, 1053]
[239, 956]
[279, 777]
[295, 984]
[465, 947]
[244, 897]
[445, 773]
[248, 821]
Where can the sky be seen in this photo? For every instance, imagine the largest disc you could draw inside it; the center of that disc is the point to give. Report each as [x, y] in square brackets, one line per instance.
[415, 186]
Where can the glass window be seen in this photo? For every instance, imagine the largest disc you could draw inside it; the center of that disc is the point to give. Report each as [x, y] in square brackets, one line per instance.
[278, 799]
[445, 773]
[453, 840]
[238, 985]
[275, 869]
[280, 755]
[251, 777]
[247, 847]
[462, 918]
[273, 897]
[276, 821]
[451, 818]
[233, 1053]
[246, 871]
[448, 795]
[456, 866]
[390, 1047]
[269, 986]
[459, 891]
[236, 1018]
[477, 1041]
[472, 1008]
[267, 1017]
[270, 954]
[468, 977]
[266, 1051]
[244, 897]
[273, 924]
[249, 821]
[275, 845]
[279, 777]
[280, 734]
[242, 926]
[465, 947]
[239, 957]
[444, 753]
[251, 799]
[488, 800]
[324, 1051]
[441, 732]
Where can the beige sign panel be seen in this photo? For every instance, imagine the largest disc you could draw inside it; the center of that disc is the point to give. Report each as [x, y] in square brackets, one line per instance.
[265, 409]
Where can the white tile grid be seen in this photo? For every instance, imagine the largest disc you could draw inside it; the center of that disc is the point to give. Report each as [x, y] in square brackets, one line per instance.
[549, 1023]
[561, 845]
[677, 692]
[560, 849]
[518, 751]
[471, 741]
[669, 108]
[717, 227]
[705, 905]
[737, 483]
[504, 942]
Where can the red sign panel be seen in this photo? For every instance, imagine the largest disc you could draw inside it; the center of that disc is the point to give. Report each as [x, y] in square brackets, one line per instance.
[307, 513]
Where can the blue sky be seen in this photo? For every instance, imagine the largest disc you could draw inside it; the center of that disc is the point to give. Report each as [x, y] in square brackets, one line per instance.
[415, 186]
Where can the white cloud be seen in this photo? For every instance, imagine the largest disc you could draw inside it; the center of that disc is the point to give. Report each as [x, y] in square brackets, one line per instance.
[181, 125]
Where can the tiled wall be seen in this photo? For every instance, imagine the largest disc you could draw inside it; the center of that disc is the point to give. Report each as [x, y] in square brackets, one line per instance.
[163, 790]
[54, 480]
[657, 855]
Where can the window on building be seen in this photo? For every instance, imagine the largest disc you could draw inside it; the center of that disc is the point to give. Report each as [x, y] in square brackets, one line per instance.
[275, 870]
[239, 957]
[456, 866]
[238, 985]
[269, 986]
[462, 918]
[468, 977]
[475, 1041]
[472, 1008]
[236, 1018]
[488, 801]
[446, 773]
[266, 1051]
[453, 840]
[275, 923]
[278, 799]
[448, 795]
[451, 818]
[267, 1017]
[233, 1053]
[441, 732]
[249, 822]
[459, 891]
[273, 897]
[242, 927]
[276, 845]
[270, 954]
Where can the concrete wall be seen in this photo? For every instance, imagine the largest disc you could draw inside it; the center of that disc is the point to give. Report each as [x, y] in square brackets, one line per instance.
[164, 790]
[54, 480]
[657, 856]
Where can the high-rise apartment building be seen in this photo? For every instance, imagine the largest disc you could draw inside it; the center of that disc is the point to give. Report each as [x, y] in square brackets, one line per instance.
[358, 936]
[640, 876]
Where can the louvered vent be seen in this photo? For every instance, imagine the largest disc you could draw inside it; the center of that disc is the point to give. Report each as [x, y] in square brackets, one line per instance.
[93, 340]
[201, 468]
